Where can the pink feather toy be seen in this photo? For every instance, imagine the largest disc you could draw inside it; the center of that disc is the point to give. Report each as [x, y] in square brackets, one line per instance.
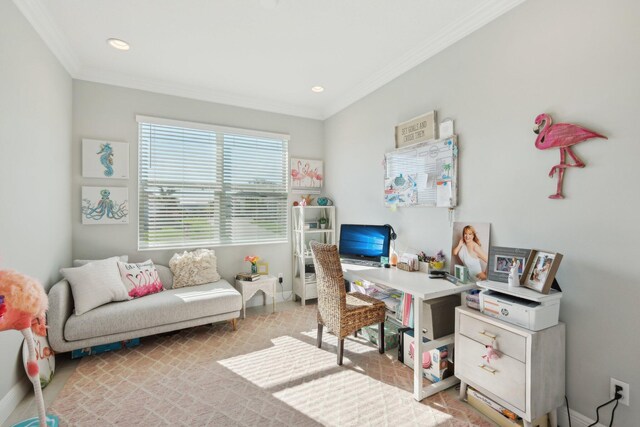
[23, 303]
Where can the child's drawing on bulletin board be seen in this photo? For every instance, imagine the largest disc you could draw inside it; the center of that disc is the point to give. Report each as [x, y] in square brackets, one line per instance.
[401, 190]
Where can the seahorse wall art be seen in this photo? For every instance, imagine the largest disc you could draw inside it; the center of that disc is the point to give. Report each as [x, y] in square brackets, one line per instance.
[106, 159]
[108, 209]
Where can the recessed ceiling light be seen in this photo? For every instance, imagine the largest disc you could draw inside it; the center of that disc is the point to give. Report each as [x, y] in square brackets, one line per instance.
[317, 89]
[118, 44]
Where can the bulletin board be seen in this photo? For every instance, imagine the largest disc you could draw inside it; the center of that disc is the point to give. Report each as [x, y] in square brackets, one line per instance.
[423, 174]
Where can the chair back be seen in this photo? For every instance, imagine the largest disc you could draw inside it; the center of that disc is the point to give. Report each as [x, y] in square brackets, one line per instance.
[332, 297]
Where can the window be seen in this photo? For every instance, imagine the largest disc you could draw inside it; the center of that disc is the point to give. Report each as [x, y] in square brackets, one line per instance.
[203, 185]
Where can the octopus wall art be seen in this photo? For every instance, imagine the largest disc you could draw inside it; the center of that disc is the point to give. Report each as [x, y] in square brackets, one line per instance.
[105, 205]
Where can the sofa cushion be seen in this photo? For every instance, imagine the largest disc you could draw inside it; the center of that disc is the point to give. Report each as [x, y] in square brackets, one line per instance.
[95, 284]
[169, 306]
[194, 268]
[166, 276]
[81, 262]
[140, 279]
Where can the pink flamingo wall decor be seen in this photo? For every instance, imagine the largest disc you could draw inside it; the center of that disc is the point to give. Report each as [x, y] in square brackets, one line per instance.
[562, 136]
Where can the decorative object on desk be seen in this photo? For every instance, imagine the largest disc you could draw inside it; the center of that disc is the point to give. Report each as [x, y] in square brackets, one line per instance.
[253, 259]
[105, 205]
[263, 268]
[514, 275]
[44, 354]
[502, 258]
[445, 128]
[492, 353]
[462, 274]
[409, 262]
[105, 159]
[306, 175]
[415, 130]
[324, 201]
[562, 136]
[306, 200]
[437, 262]
[322, 222]
[469, 242]
[25, 302]
[540, 270]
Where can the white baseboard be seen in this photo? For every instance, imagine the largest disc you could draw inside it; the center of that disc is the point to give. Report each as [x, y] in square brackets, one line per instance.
[12, 399]
[577, 419]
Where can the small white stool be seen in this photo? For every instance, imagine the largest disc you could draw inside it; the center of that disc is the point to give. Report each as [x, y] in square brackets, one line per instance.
[266, 284]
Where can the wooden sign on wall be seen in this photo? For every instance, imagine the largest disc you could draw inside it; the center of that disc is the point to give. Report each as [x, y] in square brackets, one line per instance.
[418, 129]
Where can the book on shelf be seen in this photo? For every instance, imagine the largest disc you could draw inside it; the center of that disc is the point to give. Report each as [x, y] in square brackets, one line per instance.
[248, 277]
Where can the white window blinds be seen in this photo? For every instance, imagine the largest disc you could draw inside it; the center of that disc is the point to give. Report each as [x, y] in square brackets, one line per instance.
[204, 185]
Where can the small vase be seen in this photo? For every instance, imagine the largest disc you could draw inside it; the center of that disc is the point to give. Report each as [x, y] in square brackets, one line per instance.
[254, 268]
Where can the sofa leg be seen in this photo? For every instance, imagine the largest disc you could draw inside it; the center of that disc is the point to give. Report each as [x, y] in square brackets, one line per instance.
[320, 325]
[234, 324]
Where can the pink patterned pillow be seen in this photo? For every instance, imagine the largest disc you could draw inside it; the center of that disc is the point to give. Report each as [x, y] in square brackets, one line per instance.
[140, 279]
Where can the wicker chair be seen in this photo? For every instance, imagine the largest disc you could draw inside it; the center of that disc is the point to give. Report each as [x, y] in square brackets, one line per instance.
[343, 313]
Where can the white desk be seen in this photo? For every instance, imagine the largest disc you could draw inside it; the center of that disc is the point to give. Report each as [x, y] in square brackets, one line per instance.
[422, 288]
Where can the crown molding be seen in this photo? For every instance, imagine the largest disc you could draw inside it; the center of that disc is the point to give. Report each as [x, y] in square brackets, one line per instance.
[462, 27]
[39, 18]
[194, 92]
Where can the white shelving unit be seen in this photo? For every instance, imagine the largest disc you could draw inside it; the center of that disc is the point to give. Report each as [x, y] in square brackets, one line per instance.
[301, 234]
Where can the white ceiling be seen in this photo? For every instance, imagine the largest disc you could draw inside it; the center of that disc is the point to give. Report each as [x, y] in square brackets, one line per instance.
[240, 52]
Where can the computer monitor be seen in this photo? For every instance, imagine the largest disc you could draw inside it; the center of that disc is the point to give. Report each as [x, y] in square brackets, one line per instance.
[364, 242]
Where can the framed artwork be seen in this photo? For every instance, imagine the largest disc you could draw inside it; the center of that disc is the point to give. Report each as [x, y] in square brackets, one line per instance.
[470, 243]
[263, 268]
[418, 129]
[306, 175]
[540, 270]
[501, 259]
[105, 159]
[105, 205]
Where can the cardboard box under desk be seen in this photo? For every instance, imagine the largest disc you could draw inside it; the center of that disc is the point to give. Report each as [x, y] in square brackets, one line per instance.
[438, 316]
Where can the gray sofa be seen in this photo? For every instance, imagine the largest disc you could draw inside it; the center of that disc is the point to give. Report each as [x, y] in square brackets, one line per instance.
[165, 311]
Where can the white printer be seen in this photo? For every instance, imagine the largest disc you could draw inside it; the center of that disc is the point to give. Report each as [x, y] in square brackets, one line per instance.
[519, 305]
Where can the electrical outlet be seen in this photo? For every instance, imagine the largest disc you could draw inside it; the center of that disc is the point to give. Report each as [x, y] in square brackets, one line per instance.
[279, 275]
[624, 392]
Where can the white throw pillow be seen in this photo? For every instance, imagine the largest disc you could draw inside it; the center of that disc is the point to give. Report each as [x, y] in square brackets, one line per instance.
[194, 268]
[140, 279]
[81, 262]
[95, 284]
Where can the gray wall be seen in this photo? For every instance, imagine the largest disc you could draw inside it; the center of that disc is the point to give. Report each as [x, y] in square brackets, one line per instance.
[578, 61]
[35, 155]
[108, 112]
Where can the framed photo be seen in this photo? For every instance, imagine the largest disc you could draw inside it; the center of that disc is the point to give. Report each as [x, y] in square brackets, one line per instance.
[307, 176]
[263, 268]
[501, 259]
[105, 159]
[470, 245]
[540, 270]
[105, 205]
[418, 129]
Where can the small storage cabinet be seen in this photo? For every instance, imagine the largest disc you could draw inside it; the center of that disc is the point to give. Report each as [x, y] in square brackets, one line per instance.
[307, 226]
[529, 376]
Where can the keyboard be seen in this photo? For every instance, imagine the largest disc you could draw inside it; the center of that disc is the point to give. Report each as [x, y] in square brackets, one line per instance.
[360, 262]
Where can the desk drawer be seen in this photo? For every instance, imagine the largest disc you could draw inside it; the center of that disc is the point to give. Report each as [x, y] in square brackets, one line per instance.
[511, 344]
[505, 377]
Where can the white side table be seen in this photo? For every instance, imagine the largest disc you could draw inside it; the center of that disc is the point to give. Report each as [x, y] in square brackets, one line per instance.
[266, 284]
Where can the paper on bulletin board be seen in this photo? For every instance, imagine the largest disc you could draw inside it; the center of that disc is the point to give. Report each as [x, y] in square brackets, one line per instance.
[443, 194]
[401, 190]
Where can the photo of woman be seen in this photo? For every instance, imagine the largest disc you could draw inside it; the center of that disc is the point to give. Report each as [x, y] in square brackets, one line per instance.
[469, 248]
